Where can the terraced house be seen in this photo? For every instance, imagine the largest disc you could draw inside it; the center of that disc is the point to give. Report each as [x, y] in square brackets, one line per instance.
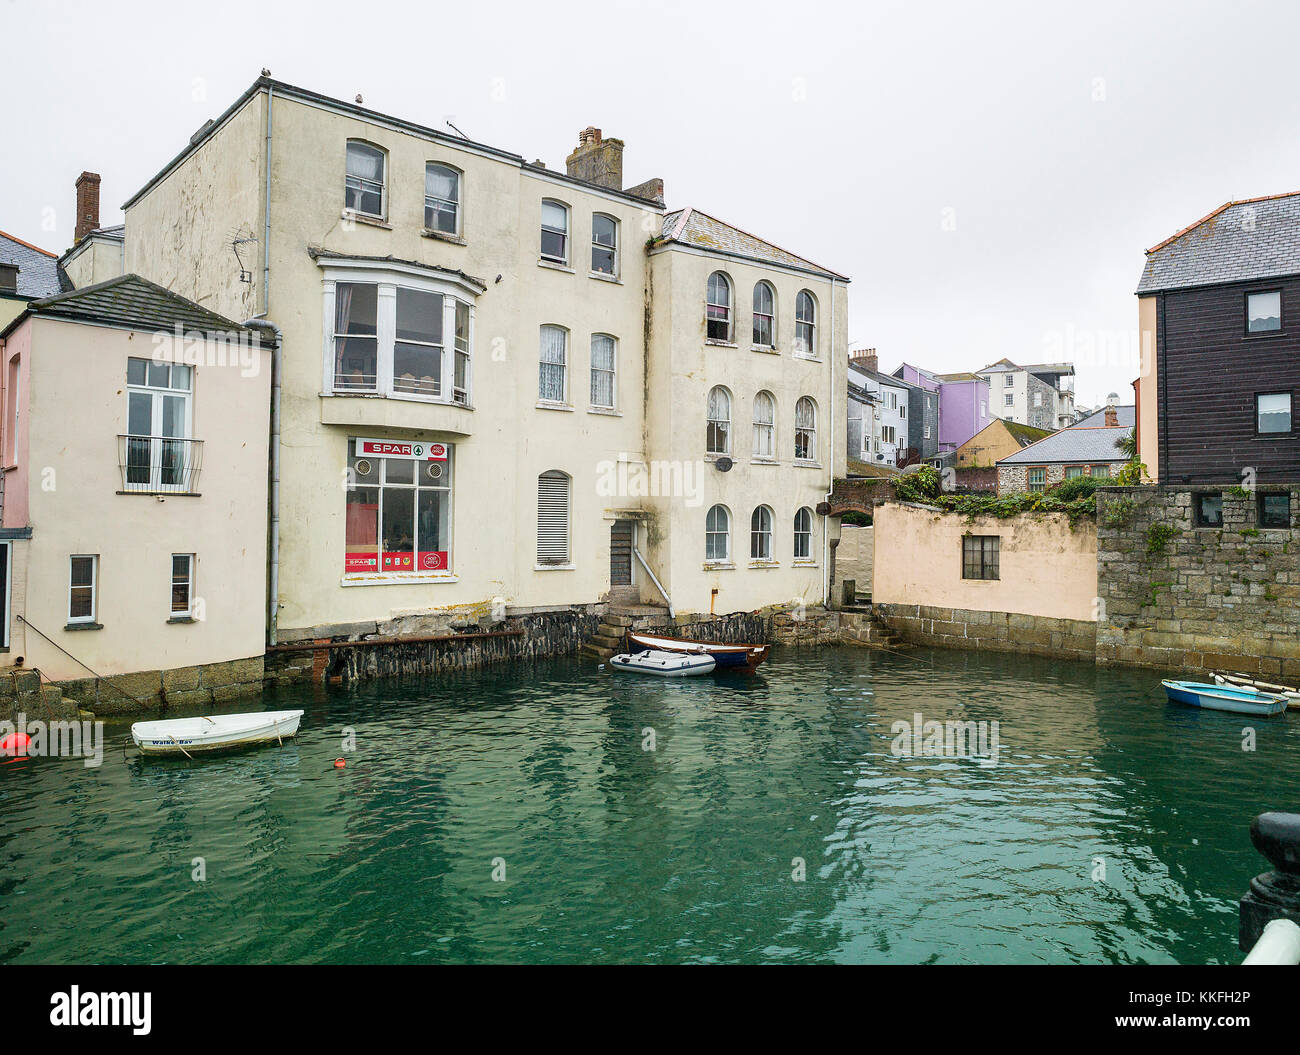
[501, 385]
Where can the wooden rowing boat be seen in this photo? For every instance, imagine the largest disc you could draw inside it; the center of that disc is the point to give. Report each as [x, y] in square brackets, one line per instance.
[1236, 700]
[221, 732]
[734, 655]
[1291, 693]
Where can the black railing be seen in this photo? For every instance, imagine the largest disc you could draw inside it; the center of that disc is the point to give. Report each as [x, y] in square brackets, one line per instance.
[159, 464]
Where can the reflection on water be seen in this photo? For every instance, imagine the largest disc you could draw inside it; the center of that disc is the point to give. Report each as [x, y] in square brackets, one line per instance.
[682, 853]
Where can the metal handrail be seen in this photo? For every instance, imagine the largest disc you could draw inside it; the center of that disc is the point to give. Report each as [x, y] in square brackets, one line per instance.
[658, 585]
[159, 464]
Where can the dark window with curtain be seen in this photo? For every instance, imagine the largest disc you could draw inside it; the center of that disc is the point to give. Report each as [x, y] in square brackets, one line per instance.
[979, 556]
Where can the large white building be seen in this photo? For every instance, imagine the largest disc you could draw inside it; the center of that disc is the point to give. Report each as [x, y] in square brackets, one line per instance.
[502, 384]
[1041, 395]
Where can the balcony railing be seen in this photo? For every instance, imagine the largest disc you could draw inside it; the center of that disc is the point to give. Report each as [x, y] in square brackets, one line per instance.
[159, 464]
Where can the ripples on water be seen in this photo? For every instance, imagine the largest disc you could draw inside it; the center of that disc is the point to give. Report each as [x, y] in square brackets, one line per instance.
[681, 854]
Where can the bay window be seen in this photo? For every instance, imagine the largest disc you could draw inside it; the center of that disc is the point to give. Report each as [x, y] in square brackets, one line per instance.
[398, 515]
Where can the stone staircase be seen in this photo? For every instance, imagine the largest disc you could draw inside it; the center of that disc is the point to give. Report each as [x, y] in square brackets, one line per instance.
[22, 692]
[859, 626]
[621, 616]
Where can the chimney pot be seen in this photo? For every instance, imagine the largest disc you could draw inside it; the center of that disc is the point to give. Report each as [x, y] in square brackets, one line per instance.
[597, 160]
[87, 205]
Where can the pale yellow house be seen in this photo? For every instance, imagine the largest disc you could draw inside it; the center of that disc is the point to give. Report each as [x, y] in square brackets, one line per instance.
[500, 385]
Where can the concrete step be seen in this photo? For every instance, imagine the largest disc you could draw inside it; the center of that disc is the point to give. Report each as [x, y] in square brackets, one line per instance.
[596, 652]
[638, 611]
[602, 640]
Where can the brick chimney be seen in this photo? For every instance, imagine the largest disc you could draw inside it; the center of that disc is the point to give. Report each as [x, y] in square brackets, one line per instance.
[597, 160]
[1112, 417]
[87, 204]
[865, 359]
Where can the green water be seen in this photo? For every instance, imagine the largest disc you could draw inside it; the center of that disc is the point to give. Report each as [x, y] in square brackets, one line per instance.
[681, 854]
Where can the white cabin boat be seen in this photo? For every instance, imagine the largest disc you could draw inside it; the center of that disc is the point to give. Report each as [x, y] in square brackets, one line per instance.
[221, 732]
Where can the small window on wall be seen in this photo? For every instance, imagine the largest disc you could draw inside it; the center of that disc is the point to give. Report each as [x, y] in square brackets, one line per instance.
[1273, 413]
[1036, 478]
[717, 309]
[803, 534]
[398, 515]
[1207, 510]
[760, 534]
[364, 190]
[83, 589]
[442, 199]
[602, 371]
[1073, 472]
[764, 316]
[555, 232]
[1010, 399]
[553, 518]
[182, 593]
[604, 245]
[1264, 312]
[717, 433]
[805, 325]
[1275, 510]
[717, 534]
[1101, 472]
[980, 556]
[1008, 381]
[552, 365]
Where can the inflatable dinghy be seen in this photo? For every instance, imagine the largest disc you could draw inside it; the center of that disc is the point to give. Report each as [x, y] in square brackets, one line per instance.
[664, 664]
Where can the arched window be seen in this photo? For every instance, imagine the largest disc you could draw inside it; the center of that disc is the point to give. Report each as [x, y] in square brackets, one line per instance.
[441, 199]
[555, 231]
[604, 244]
[764, 425]
[760, 534]
[805, 324]
[718, 434]
[764, 315]
[718, 311]
[553, 365]
[803, 534]
[364, 185]
[553, 517]
[805, 429]
[717, 534]
[603, 372]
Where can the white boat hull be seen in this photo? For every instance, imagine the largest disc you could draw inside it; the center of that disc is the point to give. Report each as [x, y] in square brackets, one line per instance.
[663, 664]
[222, 732]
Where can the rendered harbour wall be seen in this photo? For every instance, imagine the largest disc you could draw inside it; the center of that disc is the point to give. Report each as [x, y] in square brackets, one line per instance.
[1177, 596]
[991, 631]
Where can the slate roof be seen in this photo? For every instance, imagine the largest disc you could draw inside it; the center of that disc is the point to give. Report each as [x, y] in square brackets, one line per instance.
[1073, 446]
[1239, 241]
[859, 377]
[695, 228]
[38, 270]
[1127, 417]
[135, 303]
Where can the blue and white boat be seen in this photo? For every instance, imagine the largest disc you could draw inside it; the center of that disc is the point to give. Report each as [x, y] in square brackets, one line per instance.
[1237, 700]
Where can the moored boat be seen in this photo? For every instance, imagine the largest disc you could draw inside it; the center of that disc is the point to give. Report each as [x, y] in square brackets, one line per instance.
[221, 732]
[1291, 693]
[664, 664]
[734, 655]
[1231, 698]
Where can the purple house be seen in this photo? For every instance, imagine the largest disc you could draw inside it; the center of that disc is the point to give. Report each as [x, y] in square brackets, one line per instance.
[963, 403]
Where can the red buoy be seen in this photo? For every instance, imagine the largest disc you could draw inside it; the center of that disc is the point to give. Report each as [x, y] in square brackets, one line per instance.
[14, 745]
[339, 763]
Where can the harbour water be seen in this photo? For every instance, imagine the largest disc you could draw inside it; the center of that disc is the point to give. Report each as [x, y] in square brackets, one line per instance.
[556, 812]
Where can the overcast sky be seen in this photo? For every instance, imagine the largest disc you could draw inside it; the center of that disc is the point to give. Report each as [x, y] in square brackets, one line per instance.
[987, 174]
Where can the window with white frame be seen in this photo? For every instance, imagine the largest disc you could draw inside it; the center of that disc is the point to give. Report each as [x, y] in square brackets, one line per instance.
[717, 534]
[718, 432]
[805, 429]
[604, 244]
[718, 308]
[1008, 380]
[1009, 399]
[389, 337]
[553, 362]
[364, 185]
[83, 589]
[760, 534]
[182, 591]
[805, 324]
[803, 521]
[764, 315]
[159, 453]
[553, 518]
[603, 359]
[764, 425]
[398, 508]
[441, 199]
[887, 434]
[555, 231]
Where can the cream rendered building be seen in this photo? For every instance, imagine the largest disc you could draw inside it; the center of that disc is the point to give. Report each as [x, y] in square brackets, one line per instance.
[489, 368]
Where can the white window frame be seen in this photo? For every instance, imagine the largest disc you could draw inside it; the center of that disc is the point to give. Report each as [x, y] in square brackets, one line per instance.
[612, 371]
[382, 181]
[805, 347]
[769, 426]
[770, 316]
[811, 430]
[724, 534]
[157, 442]
[544, 400]
[763, 537]
[545, 562]
[188, 611]
[84, 620]
[711, 422]
[457, 202]
[565, 233]
[1010, 400]
[807, 535]
[601, 246]
[729, 306]
[387, 279]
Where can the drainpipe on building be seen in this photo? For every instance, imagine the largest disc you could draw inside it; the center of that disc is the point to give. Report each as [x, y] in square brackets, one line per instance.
[273, 487]
[830, 486]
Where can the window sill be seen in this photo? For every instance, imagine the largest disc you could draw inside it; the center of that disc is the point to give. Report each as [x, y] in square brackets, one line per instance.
[546, 404]
[720, 344]
[395, 578]
[763, 461]
[84, 626]
[807, 358]
[442, 236]
[762, 565]
[806, 463]
[764, 349]
[367, 219]
[555, 567]
[404, 397]
[607, 412]
[718, 565]
[164, 494]
[600, 276]
[803, 563]
[556, 265]
[182, 619]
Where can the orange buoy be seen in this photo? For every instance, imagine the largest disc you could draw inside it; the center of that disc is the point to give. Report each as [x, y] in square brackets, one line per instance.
[339, 763]
[15, 745]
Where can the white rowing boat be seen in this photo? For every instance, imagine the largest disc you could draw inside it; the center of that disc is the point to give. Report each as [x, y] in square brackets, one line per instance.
[221, 732]
[664, 664]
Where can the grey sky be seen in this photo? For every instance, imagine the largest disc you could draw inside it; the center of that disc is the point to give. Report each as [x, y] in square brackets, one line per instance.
[1063, 138]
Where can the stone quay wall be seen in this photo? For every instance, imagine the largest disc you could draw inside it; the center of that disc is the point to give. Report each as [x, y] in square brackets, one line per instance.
[921, 624]
[1177, 596]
